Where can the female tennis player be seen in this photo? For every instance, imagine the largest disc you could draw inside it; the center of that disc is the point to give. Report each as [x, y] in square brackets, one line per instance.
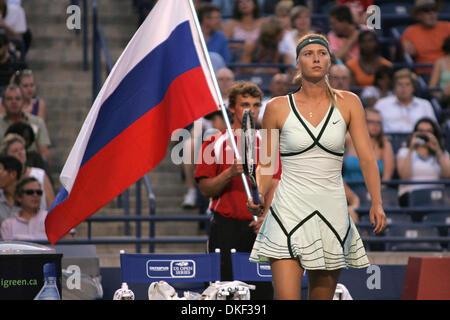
[308, 226]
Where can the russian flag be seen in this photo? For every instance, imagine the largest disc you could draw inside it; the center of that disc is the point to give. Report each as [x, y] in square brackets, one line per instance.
[160, 83]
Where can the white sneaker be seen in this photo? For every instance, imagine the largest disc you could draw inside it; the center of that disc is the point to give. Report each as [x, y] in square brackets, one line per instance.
[190, 199]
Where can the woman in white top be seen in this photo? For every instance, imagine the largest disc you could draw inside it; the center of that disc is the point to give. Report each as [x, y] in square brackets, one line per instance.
[245, 23]
[424, 159]
[301, 21]
[14, 145]
[308, 225]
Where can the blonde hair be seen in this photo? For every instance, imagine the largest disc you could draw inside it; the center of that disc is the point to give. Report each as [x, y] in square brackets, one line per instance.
[9, 140]
[298, 77]
[405, 73]
[17, 77]
[297, 11]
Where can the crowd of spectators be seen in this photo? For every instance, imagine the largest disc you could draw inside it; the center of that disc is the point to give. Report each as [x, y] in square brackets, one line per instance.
[26, 190]
[410, 101]
[372, 63]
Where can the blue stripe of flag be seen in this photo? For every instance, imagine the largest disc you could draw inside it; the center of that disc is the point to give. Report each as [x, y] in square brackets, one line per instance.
[143, 88]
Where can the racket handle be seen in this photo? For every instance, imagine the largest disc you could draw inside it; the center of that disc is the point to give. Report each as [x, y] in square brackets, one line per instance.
[255, 196]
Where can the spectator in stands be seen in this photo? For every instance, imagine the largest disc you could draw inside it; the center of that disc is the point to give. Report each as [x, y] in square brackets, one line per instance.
[282, 13]
[301, 21]
[358, 9]
[13, 102]
[401, 112]
[10, 174]
[380, 145]
[9, 64]
[245, 23]
[13, 20]
[225, 6]
[34, 158]
[211, 22]
[219, 178]
[14, 145]
[33, 104]
[29, 222]
[425, 158]
[265, 48]
[268, 7]
[423, 41]
[440, 77]
[344, 33]
[381, 87]
[279, 86]
[369, 60]
[340, 77]
[225, 79]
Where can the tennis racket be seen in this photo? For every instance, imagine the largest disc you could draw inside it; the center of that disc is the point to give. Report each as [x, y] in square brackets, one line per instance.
[249, 157]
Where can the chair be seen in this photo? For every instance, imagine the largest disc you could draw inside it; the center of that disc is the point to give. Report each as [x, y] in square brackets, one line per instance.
[392, 218]
[363, 195]
[395, 7]
[397, 140]
[431, 197]
[244, 270]
[147, 268]
[412, 232]
[443, 218]
[447, 192]
[390, 197]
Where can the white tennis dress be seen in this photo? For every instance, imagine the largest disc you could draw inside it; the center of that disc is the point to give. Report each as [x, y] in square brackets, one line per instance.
[309, 219]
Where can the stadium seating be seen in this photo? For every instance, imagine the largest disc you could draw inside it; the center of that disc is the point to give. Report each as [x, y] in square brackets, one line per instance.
[389, 196]
[412, 231]
[244, 270]
[427, 197]
[443, 221]
[395, 7]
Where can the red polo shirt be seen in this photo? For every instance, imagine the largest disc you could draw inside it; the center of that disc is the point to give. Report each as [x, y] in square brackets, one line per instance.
[217, 155]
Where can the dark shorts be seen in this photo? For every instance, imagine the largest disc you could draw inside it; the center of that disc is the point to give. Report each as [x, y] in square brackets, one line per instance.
[226, 234]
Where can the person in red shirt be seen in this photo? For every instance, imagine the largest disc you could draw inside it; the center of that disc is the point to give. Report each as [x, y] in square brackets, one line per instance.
[358, 9]
[218, 175]
[423, 41]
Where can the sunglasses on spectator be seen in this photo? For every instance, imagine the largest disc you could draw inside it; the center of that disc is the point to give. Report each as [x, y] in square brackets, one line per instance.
[30, 192]
[429, 9]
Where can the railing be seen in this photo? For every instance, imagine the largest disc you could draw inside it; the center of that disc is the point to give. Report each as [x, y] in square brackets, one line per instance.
[138, 240]
[99, 46]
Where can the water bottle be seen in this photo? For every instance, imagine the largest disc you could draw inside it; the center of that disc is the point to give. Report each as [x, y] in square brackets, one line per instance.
[123, 293]
[50, 290]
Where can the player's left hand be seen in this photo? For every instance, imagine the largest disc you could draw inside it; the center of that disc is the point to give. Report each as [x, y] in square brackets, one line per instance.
[377, 218]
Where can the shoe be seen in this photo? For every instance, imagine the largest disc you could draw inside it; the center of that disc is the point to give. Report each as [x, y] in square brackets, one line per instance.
[190, 199]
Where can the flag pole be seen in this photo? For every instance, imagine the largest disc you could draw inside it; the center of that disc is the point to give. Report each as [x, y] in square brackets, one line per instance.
[219, 95]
